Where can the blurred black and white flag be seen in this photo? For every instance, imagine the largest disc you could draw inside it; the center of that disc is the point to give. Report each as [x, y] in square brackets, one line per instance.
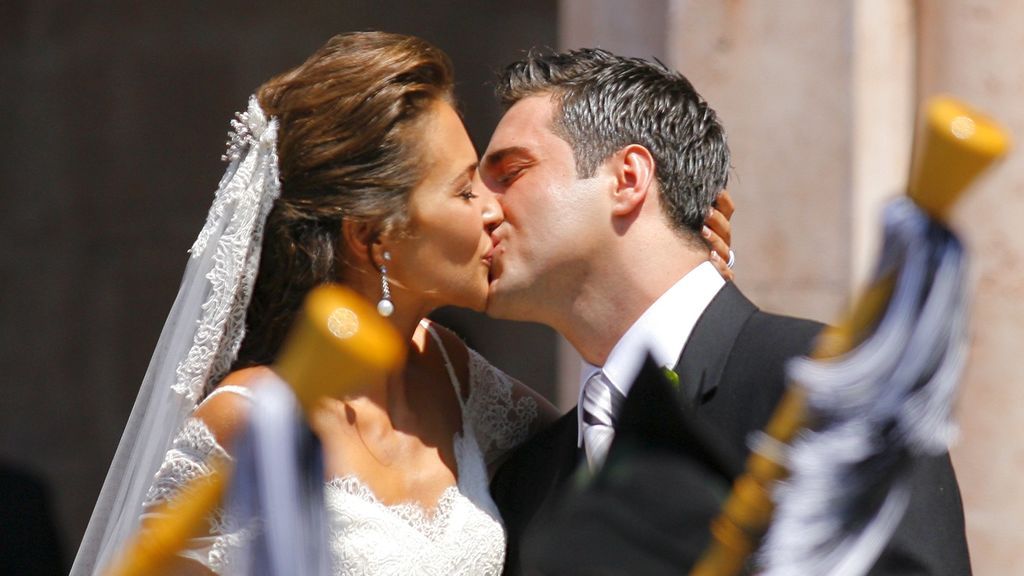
[277, 487]
[875, 409]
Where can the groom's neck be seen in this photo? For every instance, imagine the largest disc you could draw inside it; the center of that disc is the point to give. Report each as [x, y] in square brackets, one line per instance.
[610, 303]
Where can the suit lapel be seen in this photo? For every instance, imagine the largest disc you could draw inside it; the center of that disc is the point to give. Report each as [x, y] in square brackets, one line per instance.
[567, 454]
[704, 356]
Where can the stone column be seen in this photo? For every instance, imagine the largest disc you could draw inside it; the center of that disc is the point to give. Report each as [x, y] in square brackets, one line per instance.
[972, 49]
[781, 76]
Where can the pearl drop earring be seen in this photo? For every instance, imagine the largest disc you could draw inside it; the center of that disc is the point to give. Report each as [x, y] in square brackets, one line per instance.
[385, 307]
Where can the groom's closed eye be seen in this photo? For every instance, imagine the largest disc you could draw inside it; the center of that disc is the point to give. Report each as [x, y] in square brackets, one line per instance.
[504, 166]
[509, 175]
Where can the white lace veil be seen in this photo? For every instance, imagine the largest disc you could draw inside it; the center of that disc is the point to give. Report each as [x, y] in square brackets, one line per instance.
[201, 337]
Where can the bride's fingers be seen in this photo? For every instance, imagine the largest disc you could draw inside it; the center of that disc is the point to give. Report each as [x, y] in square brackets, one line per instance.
[718, 246]
[722, 266]
[725, 205]
[720, 227]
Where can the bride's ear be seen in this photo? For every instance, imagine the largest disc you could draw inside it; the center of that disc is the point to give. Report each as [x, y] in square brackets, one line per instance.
[362, 244]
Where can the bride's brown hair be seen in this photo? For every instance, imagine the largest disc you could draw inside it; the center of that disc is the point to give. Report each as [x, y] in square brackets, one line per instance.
[349, 120]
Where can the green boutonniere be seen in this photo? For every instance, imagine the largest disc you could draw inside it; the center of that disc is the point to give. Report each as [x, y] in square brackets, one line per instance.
[671, 376]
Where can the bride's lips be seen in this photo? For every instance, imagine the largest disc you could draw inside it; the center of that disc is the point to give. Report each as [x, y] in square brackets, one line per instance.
[491, 256]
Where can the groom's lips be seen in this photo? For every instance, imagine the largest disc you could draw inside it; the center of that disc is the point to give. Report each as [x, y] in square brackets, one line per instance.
[492, 258]
[495, 253]
[495, 250]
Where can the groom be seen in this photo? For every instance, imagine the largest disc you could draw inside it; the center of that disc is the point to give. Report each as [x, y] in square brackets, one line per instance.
[606, 167]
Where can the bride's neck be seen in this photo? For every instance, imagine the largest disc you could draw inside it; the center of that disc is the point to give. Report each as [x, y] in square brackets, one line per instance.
[407, 310]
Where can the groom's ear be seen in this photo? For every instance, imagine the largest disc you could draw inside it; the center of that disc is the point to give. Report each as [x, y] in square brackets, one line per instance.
[634, 178]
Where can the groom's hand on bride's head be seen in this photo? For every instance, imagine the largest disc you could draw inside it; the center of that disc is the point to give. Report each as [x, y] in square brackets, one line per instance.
[717, 233]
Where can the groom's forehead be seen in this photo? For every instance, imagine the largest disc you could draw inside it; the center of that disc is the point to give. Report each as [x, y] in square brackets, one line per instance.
[530, 115]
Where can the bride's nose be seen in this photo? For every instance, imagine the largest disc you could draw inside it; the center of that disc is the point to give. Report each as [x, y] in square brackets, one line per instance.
[492, 213]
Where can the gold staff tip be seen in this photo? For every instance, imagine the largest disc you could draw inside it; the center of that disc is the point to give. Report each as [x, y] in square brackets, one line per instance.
[338, 341]
[956, 143]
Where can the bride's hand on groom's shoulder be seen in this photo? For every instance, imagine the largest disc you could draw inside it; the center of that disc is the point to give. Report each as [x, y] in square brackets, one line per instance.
[717, 233]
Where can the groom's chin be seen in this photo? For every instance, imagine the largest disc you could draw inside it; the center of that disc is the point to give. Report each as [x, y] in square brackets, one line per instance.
[503, 305]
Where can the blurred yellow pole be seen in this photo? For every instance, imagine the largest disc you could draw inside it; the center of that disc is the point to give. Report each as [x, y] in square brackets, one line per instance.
[955, 145]
[338, 343]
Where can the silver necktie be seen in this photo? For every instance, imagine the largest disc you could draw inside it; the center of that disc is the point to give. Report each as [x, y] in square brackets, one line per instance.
[601, 404]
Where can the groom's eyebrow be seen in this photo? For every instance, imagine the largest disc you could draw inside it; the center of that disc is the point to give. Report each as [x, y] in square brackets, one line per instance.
[498, 156]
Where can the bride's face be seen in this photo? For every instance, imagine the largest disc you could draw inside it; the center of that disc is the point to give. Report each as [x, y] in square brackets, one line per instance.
[445, 257]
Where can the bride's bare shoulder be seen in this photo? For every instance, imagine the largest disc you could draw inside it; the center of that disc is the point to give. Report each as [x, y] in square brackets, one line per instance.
[226, 410]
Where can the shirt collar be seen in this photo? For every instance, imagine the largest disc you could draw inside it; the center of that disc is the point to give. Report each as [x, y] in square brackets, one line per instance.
[662, 330]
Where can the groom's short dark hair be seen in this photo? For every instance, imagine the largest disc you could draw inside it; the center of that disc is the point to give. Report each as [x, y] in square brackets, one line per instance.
[606, 102]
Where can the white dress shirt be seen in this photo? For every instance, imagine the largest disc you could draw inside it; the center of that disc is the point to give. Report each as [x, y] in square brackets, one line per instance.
[662, 330]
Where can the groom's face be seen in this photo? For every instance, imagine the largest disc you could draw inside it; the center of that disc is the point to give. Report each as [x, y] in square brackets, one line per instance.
[552, 217]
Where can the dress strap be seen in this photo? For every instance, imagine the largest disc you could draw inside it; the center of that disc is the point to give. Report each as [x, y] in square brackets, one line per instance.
[447, 363]
[230, 389]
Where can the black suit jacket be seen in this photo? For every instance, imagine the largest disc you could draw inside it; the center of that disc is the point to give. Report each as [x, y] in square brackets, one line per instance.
[732, 371]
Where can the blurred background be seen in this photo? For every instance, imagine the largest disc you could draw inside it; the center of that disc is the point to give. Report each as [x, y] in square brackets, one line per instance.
[113, 117]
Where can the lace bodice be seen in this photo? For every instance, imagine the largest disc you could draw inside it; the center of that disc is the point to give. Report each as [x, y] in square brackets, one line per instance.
[500, 419]
[463, 534]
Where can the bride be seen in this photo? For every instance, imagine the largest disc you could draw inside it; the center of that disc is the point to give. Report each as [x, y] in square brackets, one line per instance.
[355, 168]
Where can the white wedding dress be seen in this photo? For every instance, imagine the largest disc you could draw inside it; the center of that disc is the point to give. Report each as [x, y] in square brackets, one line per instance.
[463, 534]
